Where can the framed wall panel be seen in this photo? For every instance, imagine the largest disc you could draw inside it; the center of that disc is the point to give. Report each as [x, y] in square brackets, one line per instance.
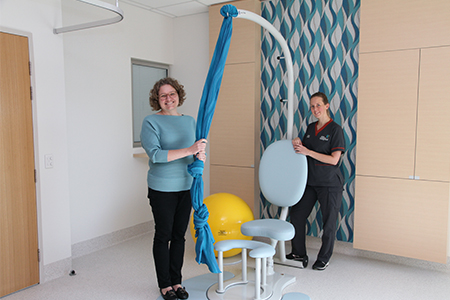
[238, 181]
[404, 24]
[402, 158]
[245, 40]
[433, 140]
[387, 110]
[402, 217]
[234, 152]
[232, 130]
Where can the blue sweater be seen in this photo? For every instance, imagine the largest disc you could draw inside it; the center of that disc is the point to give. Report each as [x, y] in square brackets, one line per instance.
[159, 134]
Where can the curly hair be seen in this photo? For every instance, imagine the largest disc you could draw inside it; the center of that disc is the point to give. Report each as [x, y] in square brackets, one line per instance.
[154, 93]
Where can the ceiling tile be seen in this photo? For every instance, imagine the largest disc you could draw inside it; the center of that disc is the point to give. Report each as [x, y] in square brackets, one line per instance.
[211, 2]
[175, 8]
[160, 3]
[184, 9]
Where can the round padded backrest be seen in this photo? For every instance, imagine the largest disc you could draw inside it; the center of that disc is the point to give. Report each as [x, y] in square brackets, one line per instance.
[282, 174]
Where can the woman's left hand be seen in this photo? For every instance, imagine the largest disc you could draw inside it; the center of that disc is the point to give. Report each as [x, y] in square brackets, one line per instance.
[201, 156]
[299, 148]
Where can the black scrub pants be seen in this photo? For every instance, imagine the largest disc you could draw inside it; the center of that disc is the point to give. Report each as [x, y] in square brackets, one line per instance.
[330, 199]
[171, 212]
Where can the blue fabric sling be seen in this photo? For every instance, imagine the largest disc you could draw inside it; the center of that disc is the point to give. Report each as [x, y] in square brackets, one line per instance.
[204, 246]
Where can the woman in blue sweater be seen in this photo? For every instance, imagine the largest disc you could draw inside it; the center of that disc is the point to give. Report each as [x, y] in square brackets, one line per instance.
[168, 137]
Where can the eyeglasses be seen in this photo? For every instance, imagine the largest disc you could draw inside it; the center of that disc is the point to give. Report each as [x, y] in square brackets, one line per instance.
[165, 96]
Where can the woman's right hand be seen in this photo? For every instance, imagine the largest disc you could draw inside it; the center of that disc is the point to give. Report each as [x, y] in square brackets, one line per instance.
[198, 147]
[296, 142]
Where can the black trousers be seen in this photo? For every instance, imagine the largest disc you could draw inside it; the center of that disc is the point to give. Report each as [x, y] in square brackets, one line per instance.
[171, 212]
[330, 199]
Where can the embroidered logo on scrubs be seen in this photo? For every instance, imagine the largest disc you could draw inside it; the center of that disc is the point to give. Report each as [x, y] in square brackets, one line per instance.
[325, 138]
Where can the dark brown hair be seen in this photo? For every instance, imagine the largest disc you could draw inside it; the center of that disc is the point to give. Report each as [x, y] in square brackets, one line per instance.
[154, 93]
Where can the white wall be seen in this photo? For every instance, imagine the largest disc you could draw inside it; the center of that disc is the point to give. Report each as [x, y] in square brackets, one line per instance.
[107, 184]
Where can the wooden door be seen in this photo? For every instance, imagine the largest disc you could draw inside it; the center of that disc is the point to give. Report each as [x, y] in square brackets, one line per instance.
[19, 266]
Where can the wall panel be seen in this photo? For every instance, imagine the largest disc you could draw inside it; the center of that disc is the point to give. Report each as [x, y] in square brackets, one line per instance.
[245, 40]
[402, 159]
[433, 140]
[238, 181]
[404, 24]
[232, 130]
[234, 151]
[387, 114]
[413, 222]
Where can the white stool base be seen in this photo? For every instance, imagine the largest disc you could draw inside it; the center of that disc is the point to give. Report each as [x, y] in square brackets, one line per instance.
[288, 262]
[238, 290]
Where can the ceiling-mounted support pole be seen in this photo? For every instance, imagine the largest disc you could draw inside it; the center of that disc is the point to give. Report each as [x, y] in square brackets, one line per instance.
[243, 14]
[100, 4]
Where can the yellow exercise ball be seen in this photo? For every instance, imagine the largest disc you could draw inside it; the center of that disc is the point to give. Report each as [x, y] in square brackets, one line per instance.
[227, 213]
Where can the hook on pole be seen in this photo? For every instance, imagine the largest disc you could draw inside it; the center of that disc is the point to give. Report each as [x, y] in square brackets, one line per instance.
[287, 57]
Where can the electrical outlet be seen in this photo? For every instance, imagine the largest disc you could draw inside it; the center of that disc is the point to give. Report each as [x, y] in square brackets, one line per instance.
[48, 161]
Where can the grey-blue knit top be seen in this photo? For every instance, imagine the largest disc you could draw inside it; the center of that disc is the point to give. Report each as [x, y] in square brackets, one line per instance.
[159, 134]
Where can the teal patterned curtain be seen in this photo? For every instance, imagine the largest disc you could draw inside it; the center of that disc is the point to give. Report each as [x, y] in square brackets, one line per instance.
[323, 36]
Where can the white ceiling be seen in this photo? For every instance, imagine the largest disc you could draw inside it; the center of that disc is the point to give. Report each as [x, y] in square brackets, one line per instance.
[175, 8]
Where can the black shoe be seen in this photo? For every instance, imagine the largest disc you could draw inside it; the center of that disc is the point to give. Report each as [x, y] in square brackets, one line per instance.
[320, 265]
[303, 259]
[169, 295]
[181, 293]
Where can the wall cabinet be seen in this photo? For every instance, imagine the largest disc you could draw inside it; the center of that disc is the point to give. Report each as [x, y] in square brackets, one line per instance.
[402, 217]
[403, 150]
[433, 118]
[234, 136]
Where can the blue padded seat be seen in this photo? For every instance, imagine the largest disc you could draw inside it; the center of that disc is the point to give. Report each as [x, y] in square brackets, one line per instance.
[259, 249]
[272, 228]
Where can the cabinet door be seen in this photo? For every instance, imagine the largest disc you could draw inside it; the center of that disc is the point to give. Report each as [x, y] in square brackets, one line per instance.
[433, 139]
[404, 24]
[234, 146]
[234, 180]
[402, 217]
[233, 126]
[233, 138]
[387, 109]
[245, 40]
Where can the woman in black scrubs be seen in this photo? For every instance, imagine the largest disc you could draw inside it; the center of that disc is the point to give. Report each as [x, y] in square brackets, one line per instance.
[323, 145]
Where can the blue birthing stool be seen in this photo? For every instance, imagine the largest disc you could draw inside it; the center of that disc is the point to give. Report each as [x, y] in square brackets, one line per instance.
[282, 179]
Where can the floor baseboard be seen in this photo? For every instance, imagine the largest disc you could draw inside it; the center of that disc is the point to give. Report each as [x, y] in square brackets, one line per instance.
[63, 267]
[108, 240]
